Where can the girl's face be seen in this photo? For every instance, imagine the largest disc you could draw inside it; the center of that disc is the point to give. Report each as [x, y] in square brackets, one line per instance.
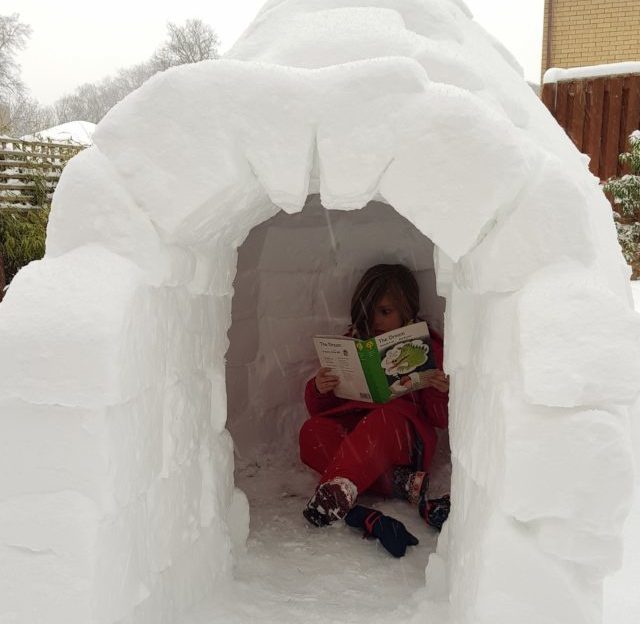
[386, 316]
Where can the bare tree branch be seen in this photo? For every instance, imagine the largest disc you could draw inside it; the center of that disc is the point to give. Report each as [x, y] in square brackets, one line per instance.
[188, 43]
[192, 42]
[13, 38]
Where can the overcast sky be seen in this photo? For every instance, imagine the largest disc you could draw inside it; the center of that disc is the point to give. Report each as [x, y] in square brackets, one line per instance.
[77, 41]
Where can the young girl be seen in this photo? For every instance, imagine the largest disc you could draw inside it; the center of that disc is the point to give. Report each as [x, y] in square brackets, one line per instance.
[383, 449]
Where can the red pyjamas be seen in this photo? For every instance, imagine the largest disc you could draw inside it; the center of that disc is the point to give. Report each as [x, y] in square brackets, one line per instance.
[363, 442]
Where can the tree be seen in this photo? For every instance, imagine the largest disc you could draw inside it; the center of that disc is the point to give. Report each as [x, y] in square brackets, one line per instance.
[22, 115]
[626, 197]
[19, 113]
[13, 38]
[192, 42]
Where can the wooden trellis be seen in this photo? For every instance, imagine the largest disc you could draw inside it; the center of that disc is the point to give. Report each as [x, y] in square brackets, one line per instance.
[30, 170]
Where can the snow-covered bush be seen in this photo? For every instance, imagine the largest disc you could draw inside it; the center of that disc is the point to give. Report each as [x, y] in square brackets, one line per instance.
[626, 196]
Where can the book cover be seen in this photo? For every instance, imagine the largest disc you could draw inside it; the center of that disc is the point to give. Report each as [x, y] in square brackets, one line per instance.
[380, 368]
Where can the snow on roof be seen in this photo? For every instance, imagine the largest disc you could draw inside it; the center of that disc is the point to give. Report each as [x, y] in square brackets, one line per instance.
[80, 132]
[558, 74]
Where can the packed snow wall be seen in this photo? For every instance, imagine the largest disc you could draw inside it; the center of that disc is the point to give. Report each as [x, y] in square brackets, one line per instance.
[116, 490]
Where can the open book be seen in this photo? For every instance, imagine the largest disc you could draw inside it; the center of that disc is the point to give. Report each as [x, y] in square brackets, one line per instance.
[378, 369]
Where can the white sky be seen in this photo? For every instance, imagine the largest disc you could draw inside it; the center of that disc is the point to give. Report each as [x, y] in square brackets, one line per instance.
[77, 41]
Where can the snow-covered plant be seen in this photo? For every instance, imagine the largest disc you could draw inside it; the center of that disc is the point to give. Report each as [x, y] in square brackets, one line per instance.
[626, 197]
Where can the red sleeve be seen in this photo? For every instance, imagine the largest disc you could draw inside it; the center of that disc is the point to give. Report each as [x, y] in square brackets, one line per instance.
[316, 402]
[435, 402]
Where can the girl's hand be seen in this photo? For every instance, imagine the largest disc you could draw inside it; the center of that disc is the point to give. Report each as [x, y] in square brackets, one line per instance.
[325, 381]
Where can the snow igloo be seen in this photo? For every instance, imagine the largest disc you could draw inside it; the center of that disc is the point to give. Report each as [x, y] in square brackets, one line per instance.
[333, 135]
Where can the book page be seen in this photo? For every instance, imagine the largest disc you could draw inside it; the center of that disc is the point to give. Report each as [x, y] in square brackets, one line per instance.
[341, 356]
[404, 354]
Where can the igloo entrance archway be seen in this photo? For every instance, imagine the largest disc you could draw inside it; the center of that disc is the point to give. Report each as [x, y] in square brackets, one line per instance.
[108, 515]
[295, 274]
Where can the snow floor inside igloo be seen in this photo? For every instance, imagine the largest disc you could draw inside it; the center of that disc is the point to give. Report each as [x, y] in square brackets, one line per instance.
[293, 572]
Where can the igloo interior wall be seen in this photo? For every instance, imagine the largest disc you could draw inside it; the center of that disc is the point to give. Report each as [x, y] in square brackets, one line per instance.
[295, 276]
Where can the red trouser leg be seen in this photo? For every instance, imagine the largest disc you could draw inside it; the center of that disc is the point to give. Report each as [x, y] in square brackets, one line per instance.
[381, 440]
[320, 439]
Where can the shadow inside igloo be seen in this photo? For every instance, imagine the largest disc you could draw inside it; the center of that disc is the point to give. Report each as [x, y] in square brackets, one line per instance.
[295, 276]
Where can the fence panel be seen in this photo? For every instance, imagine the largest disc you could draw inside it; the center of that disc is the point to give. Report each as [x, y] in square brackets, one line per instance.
[598, 114]
[30, 170]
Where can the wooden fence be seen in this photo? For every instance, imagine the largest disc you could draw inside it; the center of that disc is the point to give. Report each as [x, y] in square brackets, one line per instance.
[30, 170]
[598, 114]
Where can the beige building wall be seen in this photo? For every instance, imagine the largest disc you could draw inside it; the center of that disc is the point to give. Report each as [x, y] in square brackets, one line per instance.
[590, 32]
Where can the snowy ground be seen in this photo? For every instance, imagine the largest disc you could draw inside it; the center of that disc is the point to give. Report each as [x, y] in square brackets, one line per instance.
[292, 572]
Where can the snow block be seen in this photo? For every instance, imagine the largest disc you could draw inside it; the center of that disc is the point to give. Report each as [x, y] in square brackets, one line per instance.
[63, 329]
[459, 323]
[47, 558]
[557, 463]
[585, 455]
[424, 188]
[413, 249]
[286, 250]
[195, 574]
[122, 577]
[580, 344]
[599, 553]
[453, 67]
[476, 429]
[195, 331]
[238, 520]
[331, 299]
[187, 404]
[218, 416]
[343, 34]
[480, 332]
[280, 348]
[216, 465]
[272, 381]
[498, 573]
[64, 561]
[214, 278]
[357, 138]
[135, 444]
[444, 268]
[251, 151]
[91, 206]
[110, 455]
[190, 497]
[49, 448]
[549, 224]
[283, 294]
[519, 583]
[173, 505]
